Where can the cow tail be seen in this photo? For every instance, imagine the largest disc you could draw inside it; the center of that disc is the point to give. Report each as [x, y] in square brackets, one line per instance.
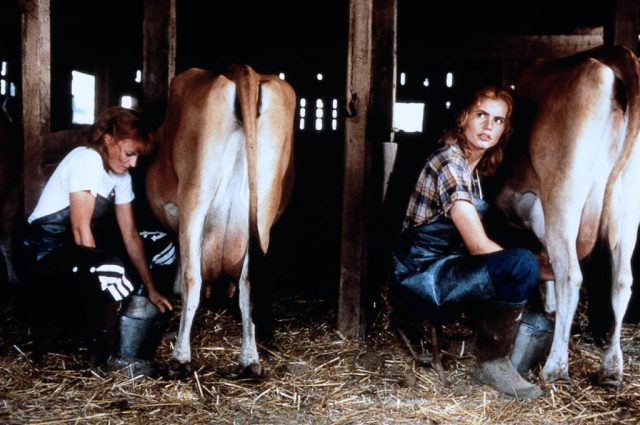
[625, 66]
[248, 87]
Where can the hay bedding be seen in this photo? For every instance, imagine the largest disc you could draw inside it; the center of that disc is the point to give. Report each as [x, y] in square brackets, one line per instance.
[314, 377]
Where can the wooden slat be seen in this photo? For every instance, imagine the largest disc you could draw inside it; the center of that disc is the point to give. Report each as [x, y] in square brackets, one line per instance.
[36, 94]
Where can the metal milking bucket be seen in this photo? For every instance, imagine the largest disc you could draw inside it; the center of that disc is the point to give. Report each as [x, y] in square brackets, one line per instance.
[141, 327]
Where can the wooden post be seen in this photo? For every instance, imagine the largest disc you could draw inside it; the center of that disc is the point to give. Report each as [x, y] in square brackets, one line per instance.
[36, 94]
[103, 89]
[159, 55]
[353, 264]
[624, 24]
[383, 153]
[383, 85]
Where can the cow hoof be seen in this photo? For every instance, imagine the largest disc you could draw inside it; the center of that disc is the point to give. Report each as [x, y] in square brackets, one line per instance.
[555, 375]
[608, 379]
[179, 370]
[253, 371]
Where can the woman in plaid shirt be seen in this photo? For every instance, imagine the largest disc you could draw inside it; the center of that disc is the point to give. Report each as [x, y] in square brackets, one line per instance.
[444, 256]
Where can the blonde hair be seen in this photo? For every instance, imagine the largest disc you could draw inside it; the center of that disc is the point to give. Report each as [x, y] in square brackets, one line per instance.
[494, 155]
[121, 123]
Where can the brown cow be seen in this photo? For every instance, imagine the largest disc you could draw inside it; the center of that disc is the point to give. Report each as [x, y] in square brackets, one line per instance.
[222, 177]
[578, 182]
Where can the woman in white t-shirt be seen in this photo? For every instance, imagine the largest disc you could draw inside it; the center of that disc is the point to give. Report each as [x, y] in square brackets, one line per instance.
[72, 276]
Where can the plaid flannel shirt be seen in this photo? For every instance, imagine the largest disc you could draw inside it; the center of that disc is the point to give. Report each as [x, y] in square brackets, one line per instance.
[445, 178]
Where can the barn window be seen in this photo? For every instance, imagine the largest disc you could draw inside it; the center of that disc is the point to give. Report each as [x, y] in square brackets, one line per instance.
[319, 113]
[83, 97]
[128, 101]
[303, 112]
[408, 117]
[3, 81]
[449, 80]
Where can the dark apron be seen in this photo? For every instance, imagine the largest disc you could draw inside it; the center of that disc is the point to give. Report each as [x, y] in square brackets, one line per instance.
[432, 262]
[52, 232]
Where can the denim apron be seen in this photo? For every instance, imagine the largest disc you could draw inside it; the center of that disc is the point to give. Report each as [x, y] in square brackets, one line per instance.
[432, 262]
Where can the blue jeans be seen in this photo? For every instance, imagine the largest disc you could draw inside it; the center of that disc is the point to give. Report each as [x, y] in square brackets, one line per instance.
[514, 274]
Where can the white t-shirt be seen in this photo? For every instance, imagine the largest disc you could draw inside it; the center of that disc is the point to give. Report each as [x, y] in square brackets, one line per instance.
[82, 169]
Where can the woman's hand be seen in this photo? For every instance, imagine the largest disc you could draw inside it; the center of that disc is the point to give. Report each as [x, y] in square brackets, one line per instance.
[544, 265]
[159, 301]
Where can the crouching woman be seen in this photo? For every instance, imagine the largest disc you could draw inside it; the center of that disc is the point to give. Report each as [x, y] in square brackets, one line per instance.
[72, 279]
[444, 257]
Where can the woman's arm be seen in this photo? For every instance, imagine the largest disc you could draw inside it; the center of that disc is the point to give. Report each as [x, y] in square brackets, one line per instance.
[467, 221]
[135, 249]
[81, 206]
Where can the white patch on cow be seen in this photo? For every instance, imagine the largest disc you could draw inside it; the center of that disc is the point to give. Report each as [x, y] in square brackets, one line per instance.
[549, 297]
[528, 208]
[171, 210]
[248, 349]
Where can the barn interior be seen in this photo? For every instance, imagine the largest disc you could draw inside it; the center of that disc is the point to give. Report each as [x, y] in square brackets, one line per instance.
[444, 51]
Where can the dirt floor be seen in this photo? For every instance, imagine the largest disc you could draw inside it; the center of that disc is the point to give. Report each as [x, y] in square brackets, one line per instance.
[314, 376]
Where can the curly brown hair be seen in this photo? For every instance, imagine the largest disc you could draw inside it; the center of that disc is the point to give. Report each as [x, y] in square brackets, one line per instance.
[121, 123]
[493, 156]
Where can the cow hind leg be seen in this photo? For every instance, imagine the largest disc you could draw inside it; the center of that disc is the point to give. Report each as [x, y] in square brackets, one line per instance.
[180, 365]
[611, 369]
[191, 283]
[249, 360]
[567, 291]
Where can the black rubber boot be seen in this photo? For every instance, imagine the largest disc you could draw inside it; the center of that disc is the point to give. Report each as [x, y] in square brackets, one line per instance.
[103, 342]
[494, 341]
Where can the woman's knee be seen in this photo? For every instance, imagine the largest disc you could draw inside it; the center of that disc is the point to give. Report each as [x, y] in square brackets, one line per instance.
[514, 274]
[525, 267]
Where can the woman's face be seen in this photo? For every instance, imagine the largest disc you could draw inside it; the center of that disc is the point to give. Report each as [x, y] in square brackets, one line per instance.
[121, 154]
[485, 124]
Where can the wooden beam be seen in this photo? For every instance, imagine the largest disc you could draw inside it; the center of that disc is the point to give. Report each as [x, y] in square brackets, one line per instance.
[159, 55]
[353, 245]
[515, 47]
[624, 24]
[36, 94]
